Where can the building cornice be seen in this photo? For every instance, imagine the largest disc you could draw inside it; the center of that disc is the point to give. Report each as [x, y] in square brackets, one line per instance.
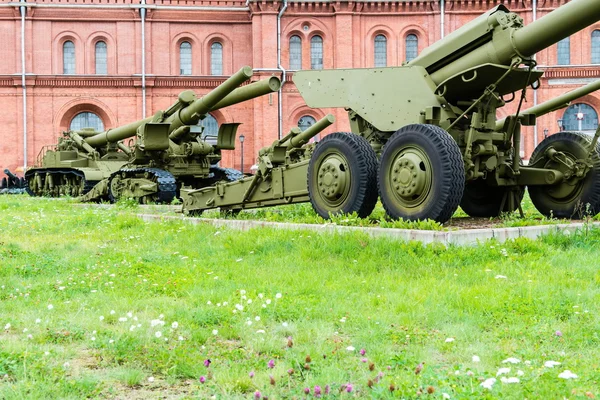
[94, 81]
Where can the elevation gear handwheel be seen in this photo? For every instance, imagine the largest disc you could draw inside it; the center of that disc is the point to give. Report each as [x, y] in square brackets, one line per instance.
[421, 174]
[342, 176]
[575, 196]
[483, 200]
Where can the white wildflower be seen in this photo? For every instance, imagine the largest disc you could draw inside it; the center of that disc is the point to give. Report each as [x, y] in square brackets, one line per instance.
[215, 332]
[501, 277]
[66, 364]
[488, 383]
[151, 379]
[503, 371]
[476, 359]
[93, 338]
[449, 340]
[37, 321]
[566, 374]
[284, 324]
[520, 373]
[180, 338]
[130, 314]
[242, 292]
[268, 301]
[101, 318]
[239, 307]
[257, 318]
[260, 331]
[350, 348]
[112, 312]
[50, 306]
[158, 334]
[551, 364]
[511, 360]
[175, 325]
[510, 380]
[445, 396]
[123, 319]
[278, 296]
[7, 326]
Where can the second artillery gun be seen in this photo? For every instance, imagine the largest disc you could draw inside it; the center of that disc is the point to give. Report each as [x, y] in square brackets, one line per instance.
[425, 136]
[167, 153]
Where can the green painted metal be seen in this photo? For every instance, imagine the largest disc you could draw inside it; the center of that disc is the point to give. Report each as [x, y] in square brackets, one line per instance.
[556, 103]
[280, 179]
[168, 152]
[433, 121]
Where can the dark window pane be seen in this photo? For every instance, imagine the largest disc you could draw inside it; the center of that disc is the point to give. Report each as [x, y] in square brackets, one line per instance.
[588, 123]
[216, 59]
[185, 58]
[86, 120]
[68, 57]
[316, 52]
[596, 47]
[101, 58]
[380, 51]
[412, 47]
[564, 52]
[295, 52]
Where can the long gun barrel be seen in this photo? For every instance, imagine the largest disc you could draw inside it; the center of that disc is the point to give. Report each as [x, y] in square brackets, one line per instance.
[557, 103]
[498, 36]
[188, 110]
[10, 174]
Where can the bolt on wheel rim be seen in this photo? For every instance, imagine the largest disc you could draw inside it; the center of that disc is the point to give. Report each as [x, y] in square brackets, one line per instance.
[333, 179]
[410, 176]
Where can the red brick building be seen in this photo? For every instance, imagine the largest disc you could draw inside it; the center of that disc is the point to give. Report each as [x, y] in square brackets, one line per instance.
[109, 62]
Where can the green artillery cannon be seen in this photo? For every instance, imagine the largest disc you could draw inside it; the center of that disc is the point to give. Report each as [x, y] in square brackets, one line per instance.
[167, 153]
[425, 136]
[280, 178]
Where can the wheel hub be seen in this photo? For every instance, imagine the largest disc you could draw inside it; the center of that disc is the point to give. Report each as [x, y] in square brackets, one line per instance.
[332, 178]
[408, 176]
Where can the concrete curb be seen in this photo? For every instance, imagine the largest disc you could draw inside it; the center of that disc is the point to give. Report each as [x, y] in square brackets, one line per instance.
[464, 237]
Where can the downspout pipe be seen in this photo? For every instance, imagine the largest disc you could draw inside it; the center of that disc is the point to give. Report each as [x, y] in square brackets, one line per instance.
[535, 93]
[442, 18]
[143, 20]
[280, 67]
[23, 10]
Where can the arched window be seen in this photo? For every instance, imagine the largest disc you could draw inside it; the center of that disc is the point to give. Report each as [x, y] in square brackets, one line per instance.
[216, 59]
[412, 47]
[380, 51]
[580, 117]
[295, 52]
[209, 127]
[596, 47]
[185, 58]
[563, 55]
[305, 122]
[86, 120]
[101, 58]
[316, 52]
[68, 57]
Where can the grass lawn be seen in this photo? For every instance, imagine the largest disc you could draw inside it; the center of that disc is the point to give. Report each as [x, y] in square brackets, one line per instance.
[96, 303]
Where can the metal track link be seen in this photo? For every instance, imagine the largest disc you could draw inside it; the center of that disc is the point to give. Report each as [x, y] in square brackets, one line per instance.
[167, 186]
[55, 172]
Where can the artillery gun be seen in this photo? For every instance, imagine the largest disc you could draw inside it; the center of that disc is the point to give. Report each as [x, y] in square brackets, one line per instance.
[167, 154]
[425, 136]
[11, 184]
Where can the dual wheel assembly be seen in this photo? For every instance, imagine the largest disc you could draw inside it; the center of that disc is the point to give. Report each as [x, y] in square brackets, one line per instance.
[421, 175]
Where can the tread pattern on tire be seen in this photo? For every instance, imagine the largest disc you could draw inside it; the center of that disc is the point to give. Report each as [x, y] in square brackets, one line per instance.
[592, 195]
[366, 162]
[452, 174]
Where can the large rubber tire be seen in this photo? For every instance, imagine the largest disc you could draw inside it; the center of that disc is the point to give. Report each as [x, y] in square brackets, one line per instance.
[569, 199]
[342, 176]
[484, 201]
[421, 174]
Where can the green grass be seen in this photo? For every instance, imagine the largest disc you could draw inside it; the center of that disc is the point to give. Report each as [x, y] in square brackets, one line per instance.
[86, 291]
